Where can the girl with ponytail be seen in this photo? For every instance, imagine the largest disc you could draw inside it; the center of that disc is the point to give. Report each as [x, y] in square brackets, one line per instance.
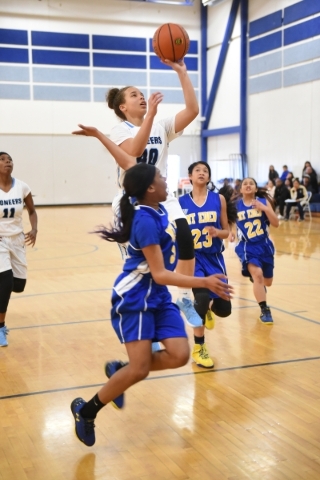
[208, 214]
[255, 249]
[142, 308]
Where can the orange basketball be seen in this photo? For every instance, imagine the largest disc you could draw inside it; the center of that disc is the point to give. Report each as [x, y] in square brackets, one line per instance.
[170, 42]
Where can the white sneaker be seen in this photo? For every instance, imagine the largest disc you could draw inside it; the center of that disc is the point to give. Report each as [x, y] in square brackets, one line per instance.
[280, 217]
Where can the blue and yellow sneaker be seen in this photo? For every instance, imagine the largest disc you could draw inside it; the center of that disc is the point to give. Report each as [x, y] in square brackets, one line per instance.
[84, 426]
[110, 369]
[209, 320]
[266, 317]
[187, 307]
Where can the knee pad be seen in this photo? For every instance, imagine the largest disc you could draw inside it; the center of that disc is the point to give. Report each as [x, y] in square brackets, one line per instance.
[184, 240]
[6, 286]
[18, 284]
[202, 301]
[221, 308]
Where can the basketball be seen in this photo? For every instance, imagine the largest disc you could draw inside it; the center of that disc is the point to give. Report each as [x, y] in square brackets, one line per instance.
[170, 42]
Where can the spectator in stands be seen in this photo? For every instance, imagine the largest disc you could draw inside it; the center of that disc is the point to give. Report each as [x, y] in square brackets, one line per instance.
[270, 188]
[281, 194]
[288, 183]
[284, 173]
[313, 178]
[307, 164]
[273, 174]
[300, 195]
[307, 184]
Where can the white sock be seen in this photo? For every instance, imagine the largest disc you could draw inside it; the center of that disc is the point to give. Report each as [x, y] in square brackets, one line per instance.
[185, 293]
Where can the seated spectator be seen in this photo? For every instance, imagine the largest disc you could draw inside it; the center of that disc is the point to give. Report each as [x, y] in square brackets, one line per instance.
[307, 184]
[281, 194]
[288, 183]
[299, 196]
[307, 164]
[284, 173]
[313, 178]
[271, 188]
[273, 174]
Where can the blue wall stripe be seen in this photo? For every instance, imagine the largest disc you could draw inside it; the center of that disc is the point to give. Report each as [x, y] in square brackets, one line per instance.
[301, 53]
[301, 10]
[129, 44]
[99, 94]
[193, 48]
[118, 78]
[61, 75]
[119, 60]
[156, 64]
[264, 83]
[13, 37]
[302, 31]
[172, 96]
[65, 40]
[272, 61]
[265, 44]
[14, 74]
[170, 79]
[70, 94]
[15, 92]
[265, 24]
[14, 55]
[56, 57]
[301, 74]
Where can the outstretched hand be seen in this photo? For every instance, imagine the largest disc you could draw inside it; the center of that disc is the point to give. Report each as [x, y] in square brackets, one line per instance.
[178, 67]
[30, 237]
[86, 131]
[216, 284]
[153, 102]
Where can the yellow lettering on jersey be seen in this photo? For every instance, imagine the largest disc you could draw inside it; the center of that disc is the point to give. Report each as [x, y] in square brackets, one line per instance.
[206, 217]
[191, 218]
[241, 215]
[253, 213]
[171, 231]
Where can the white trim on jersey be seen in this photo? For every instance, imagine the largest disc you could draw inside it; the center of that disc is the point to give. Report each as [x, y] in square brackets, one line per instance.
[11, 208]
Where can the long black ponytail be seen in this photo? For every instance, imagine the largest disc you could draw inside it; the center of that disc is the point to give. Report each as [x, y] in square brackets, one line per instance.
[136, 182]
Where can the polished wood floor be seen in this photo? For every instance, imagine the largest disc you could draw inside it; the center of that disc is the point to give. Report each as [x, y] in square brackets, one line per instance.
[255, 416]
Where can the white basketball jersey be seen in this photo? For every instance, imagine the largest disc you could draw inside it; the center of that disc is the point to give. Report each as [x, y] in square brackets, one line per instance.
[11, 208]
[156, 151]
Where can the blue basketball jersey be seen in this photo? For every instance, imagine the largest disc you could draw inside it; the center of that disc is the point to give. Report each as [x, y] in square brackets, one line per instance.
[149, 227]
[199, 217]
[252, 224]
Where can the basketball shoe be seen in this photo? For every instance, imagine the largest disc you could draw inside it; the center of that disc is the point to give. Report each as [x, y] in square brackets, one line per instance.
[200, 356]
[209, 320]
[187, 307]
[84, 426]
[266, 317]
[110, 369]
[3, 336]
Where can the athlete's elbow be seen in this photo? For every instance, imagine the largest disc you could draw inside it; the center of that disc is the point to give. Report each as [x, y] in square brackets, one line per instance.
[159, 278]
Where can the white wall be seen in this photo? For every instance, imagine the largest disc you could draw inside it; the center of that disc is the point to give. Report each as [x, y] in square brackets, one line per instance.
[38, 133]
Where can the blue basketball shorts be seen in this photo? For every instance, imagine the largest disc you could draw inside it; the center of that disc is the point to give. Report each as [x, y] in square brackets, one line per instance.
[153, 316]
[207, 265]
[261, 256]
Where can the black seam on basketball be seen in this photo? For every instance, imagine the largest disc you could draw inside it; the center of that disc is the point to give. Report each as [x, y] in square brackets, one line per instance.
[162, 56]
[185, 37]
[172, 44]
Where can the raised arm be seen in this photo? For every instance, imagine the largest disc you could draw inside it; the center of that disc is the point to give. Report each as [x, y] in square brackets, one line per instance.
[136, 146]
[191, 110]
[124, 160]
